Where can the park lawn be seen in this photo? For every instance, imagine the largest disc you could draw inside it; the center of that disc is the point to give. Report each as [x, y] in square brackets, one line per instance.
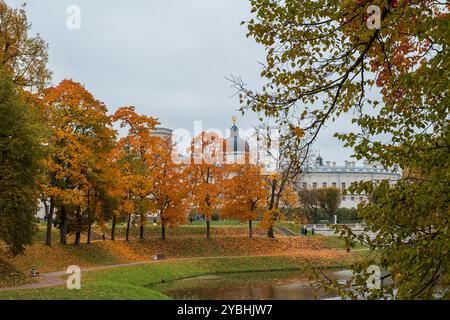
[15, 271]
[196, 228]
[336, 243]
[218, 228]
[294, 227]
[290, 225]
[58, 257]
[135, 282]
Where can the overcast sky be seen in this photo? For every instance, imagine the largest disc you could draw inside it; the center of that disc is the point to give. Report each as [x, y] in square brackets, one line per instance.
[168, 58]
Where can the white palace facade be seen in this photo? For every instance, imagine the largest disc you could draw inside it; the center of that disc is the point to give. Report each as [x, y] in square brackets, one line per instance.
[329, 174]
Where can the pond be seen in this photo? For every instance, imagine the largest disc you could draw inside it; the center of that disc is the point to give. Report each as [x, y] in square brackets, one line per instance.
[285, 285]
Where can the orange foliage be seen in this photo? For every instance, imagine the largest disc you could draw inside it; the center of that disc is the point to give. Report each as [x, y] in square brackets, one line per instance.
[245, 192]
[206, 173]
[81, 138]
[170, 188]
[132, 165]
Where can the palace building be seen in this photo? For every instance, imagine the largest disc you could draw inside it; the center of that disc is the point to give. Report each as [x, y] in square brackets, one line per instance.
[328, 174]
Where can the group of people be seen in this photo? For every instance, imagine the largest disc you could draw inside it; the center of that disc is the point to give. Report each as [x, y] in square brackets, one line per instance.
[304, 231]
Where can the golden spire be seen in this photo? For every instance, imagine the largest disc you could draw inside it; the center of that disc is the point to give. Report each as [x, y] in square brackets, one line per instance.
[234, 119]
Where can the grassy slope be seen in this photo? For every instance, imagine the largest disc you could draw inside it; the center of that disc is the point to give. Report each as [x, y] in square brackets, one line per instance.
[133, 282]
[57, 258]
[218, 228]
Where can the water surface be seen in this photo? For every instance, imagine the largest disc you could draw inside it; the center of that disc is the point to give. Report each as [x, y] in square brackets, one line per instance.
[286, 285]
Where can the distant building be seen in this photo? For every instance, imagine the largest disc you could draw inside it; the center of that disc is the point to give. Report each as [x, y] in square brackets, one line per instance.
[328, 174]
[163, 133]
[236, 150]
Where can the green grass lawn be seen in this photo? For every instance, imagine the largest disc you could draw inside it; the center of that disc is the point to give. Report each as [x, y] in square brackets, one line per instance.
[218, 228]
[134, 283]
[333, 242]
[196, 228]
[291, 226]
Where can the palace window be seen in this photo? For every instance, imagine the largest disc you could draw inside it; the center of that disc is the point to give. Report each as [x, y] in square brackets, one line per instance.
[324, 184]
[315, 185]
[334, 184]
[344, 187]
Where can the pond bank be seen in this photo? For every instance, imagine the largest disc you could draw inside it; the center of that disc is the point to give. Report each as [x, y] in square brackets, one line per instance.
[134, 282]
[269, 285]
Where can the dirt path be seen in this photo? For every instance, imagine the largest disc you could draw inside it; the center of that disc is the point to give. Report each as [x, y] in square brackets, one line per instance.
[54, 279]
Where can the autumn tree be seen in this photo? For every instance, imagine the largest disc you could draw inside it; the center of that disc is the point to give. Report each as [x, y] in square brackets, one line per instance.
[323, 59]
[81, 137]
[283, 160]
[309, 201]
[24, 57]
[133, 156]
[116, 201]
[206, 175]
[245, 193]
[20, 153]
[170, 186]
[329, 200]
[99, 202]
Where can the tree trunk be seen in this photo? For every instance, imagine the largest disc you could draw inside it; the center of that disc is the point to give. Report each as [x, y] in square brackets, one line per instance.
[89, 232]
[48, 238]
[127, 234]
[89, 217]
[208, 228]
[141, 232]
[270, 233]
[78, 226]
[77, 238]
[250, 229]
[163, 232]
[113, 228]
[63, 226]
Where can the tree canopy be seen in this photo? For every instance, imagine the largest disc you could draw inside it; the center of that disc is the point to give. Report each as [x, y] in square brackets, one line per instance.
[22, 55]
[323, 61]
[20, 153]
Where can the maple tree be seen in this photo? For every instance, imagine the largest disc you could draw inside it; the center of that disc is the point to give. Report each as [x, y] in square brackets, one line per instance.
[206, 175]
[133, 156]
[322, 61]
[170, 186]
[115, 200]
[245, 194]
[81, 136]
